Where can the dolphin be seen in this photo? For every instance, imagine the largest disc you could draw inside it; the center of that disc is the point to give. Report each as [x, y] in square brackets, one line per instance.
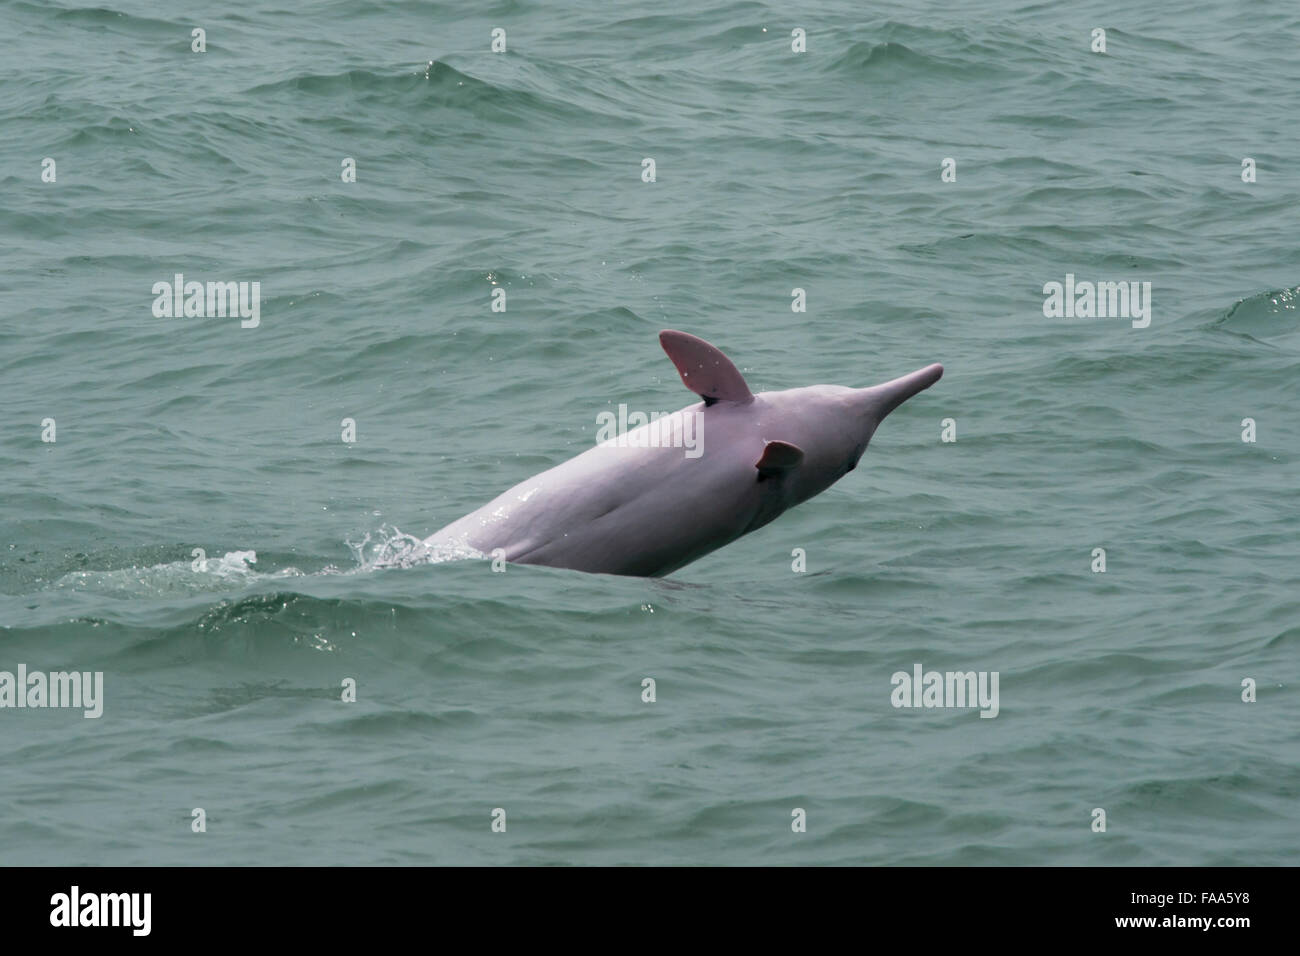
[643, 505]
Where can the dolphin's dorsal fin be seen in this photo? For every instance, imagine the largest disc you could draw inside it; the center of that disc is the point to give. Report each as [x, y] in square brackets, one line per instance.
[704, 369]
[778, 457]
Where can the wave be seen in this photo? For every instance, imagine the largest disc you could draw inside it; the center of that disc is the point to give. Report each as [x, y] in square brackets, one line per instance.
[1263, 315]
[386, 547]
[433, 85]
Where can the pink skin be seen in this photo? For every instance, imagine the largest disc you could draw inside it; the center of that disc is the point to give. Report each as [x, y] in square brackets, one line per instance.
[651, 510]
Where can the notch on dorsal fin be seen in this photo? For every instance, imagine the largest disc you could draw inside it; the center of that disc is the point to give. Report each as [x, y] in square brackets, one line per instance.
[778, 457]
[704, 369]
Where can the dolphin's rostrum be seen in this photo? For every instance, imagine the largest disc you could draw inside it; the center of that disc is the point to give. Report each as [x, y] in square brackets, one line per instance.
[643, 507]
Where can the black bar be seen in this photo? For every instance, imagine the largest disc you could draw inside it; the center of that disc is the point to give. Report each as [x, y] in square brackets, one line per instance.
[943, 906]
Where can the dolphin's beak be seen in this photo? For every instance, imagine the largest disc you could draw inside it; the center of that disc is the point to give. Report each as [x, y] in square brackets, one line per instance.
[884, 398]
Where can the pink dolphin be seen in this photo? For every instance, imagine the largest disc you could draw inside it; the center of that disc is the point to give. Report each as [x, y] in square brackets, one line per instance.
[647, 505]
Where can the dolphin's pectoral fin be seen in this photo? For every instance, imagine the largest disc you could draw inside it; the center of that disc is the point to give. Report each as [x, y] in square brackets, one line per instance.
[778, 457]
[704, 369]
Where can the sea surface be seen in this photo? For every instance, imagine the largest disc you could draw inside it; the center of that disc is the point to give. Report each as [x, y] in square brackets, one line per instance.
[522, 692]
